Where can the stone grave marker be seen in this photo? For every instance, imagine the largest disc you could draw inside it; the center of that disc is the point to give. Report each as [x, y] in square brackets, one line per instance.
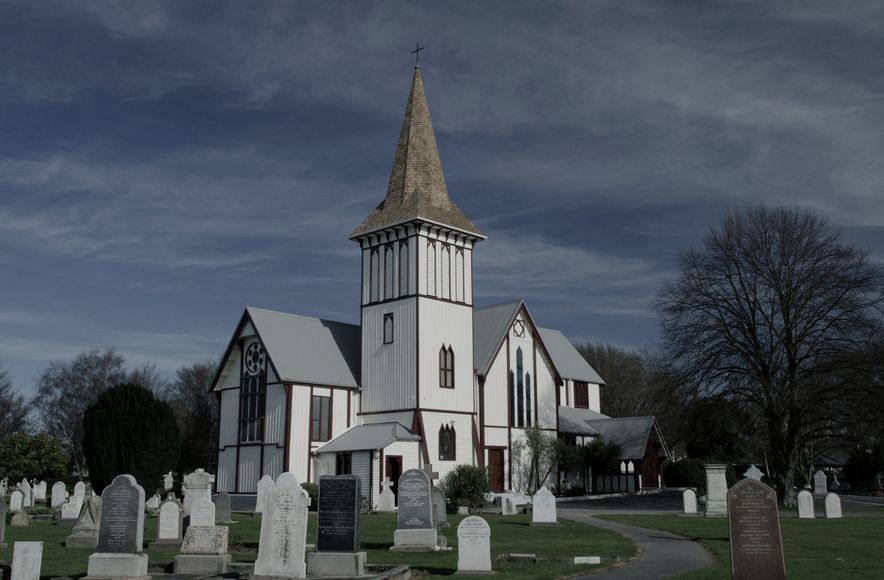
[70, 510]
[819, 483]
[197, 485]
[202, 512]
[440, 515]
[27, 559]
[4, 487]
[689, 501]
[508, 506]
[3, 510]
[121, 532]
[756, 542]
[170, 524]
[543, 511]
[222, 508]
[153, 503]
[85, 532]
[58, 497]
[387, 499]
[204, 549]
[27, 494]
[168, 482]
[80, 489]
[415, 522]
[16, 501]
[716, 490]
[833, 507]
[753, 473]
[805, 504]
[40, 492]
[337, 528]
[265, 485]
[283, 531]
[473, 546]
[19, 519]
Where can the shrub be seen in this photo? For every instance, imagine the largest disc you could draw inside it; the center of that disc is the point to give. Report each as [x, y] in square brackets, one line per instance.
[685, 473]
[466, 486]
[313, 491]
[127, 430]
[31, 456]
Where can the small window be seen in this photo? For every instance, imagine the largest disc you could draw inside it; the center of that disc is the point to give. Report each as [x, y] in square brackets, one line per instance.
[343, 463]
[458, 275]
[403, 268]
[431, 268]
[253, 396]
[389, 272]
[446, 367]
[388, 328]
[581, 395]
[321, 418]
[447, 443]
[445, 291]
[374, 275]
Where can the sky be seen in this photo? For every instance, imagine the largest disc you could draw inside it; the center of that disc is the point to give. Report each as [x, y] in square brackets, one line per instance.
[163, 165]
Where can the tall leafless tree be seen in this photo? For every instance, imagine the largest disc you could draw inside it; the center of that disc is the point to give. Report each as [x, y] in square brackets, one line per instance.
[13, 409]
[196, 410]
[774, 305]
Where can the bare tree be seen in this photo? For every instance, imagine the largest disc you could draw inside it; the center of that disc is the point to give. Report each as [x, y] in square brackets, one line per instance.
[628, 388]
[13, 410]
[196, 410]
[769, 311]
[149, 377]
[65, 389]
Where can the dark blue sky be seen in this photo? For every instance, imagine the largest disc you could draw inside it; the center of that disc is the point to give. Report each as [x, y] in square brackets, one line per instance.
[165, 164]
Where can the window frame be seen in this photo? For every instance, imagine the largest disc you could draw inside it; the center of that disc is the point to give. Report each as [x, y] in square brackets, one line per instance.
[324, 415]
[252, 407]
[581, 395]
[388, 317]
[449, 434]
[446, 367]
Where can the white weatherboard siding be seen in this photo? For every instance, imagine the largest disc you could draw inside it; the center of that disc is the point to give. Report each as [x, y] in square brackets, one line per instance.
[496, 437]
[546, 393]
[595, 402]
[359, 465]
[404, 418]
[298, 453]
[249, 468]
[463, 426]
[273, 461]
[226, 477]
[446, 324]
[275, 413]
[340, 419]
[496, 395]
[388, 370]
[408, 450]
[229, 415]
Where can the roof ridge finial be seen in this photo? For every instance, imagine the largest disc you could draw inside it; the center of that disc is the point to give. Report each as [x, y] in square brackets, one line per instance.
[417, 54]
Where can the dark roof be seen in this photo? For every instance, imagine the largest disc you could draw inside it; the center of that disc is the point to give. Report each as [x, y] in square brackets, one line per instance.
[417, 189]
[567, 360]
[575, 421]
[368, 436]
[490, 325]
[631, 434]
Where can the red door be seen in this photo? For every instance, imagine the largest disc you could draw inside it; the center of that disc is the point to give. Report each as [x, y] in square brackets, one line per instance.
[496, 467]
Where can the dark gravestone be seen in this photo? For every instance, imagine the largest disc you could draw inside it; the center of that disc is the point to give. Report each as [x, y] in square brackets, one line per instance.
[756, 541]
[2, 524]
[415, 501]
[122, 517]
[337, 521]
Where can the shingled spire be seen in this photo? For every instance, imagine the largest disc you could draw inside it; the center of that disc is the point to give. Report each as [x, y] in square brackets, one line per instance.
[417, 187]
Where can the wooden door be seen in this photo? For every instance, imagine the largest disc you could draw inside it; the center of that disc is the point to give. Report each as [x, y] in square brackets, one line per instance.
[496, 468]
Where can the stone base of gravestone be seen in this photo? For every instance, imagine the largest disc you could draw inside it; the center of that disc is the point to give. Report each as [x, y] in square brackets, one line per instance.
[106, 565]
[416, 540]
[335, 564]
[201, 564]
[82, 541]
[19, 519]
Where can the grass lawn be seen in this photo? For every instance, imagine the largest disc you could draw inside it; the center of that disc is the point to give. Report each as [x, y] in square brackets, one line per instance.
[851, 547]
[511, 534]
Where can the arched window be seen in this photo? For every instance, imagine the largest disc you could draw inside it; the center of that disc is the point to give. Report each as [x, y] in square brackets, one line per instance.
[446, 367]
[447, 443]
[528, 409]
[374, 276]
[520, 389]
[458, 275]
[388, 328]
[403, 268]
[389, 271]
[431, 268]
[446, 272]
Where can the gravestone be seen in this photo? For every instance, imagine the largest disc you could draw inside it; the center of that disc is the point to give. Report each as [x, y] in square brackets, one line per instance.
[508, 506]
[168, 482]
[121, 532]
[170, 524]
[222, 508]
[15, 501]
[833, 506]
[70, 511]
[27, 559]
[3, 510]
[755, 539]
[85, 532]
[689, 501]
[204, 549]
[265, 485]
[197, 485]
[57, 498]
[473, 546]
[819, 483]
[440, 515]
[153, 503]
[80, 490]
[4, 487]
[387, 499]
[40, 492]
[716, 490]
[805, 504]
[415, 523]
[27, 494]
[337, 528]
[283, 531]
[19, 519]
[543, 509]
[753, 473]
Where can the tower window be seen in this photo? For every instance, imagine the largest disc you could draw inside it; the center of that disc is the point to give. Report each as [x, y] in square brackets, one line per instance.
[403, 268]
[388, 328]
[446, 367]
[458, 275]
[389, 272]
[374, 275]
[520, 382]
[431, 268]
[447, 443]
[446, 271]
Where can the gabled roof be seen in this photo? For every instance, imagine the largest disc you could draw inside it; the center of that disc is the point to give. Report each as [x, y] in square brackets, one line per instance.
[574, 421]
[490, 325]
[569, 362]
[631, 434]
[369, 436]
[417, 189]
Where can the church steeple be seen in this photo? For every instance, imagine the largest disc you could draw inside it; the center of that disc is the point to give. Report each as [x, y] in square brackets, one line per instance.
[417, 189]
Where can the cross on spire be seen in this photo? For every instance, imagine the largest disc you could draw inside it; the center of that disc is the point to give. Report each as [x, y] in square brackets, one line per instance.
[417, 53]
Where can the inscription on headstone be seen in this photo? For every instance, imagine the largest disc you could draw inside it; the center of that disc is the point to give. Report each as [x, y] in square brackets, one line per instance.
[337, 520]
[473, 545]
[202, 512]
[122, 517]
[27, 558]
[206, 540]
[415, 505]
[543, 507]
[756, 542]
[16, 499]
[716, 490]
[283, 531]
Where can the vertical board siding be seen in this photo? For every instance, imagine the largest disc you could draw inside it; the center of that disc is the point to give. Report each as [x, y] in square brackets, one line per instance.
[496, 394]
[389, 271]
[458, 275]
[405, 418]
[274, 418]
[463, 426]
[388, 370]
[496, 437]
[404, 268]
[300, 435]
[359, 466]
[445, 271]
[229, 418]
[468, 276]
[249, 468]
[226, 477]
[272, 461]
[595, 399]
[432, 251]
[442, 323]
[546, 393]
[339, 412]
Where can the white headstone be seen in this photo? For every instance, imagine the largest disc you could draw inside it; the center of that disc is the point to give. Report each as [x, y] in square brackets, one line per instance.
[169, 524]
[689, 500]
[16, 502]
[439, 506]
[473, 545]
[71, 509]
[265, 485]
[27, 494]
[4, 486]
[168, 481]
[27, 558]
[58, 495]
[40, 491]
[833, 505]
[80, 489]
[387, 499]
[753, 473]
[819, 483]
[543, 507]
[197, 485]
[508, 506]
[283, 530]
[153, 503]
[716, 490]
[805, 504]
[202, 512]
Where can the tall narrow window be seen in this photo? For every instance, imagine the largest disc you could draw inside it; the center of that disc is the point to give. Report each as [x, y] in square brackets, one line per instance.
[253, 394]
[528, 410]
[343, 463]
[320, 419]
[389, 272]
[446, 271]
[375, 276]
[431, 268]
[446, 367]
[388, 328]
[581, 395]
[458, 275]
[520, 389]
[447, 443]
[403, 268]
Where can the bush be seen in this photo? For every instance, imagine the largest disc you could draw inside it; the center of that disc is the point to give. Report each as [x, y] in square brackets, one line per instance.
[31, 456]
[127, 430]
[863, 464]
[313, 491]
[692, 473]
[466, 486]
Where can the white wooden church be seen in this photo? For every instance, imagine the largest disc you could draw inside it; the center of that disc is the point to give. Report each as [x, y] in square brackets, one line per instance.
[426, 378]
